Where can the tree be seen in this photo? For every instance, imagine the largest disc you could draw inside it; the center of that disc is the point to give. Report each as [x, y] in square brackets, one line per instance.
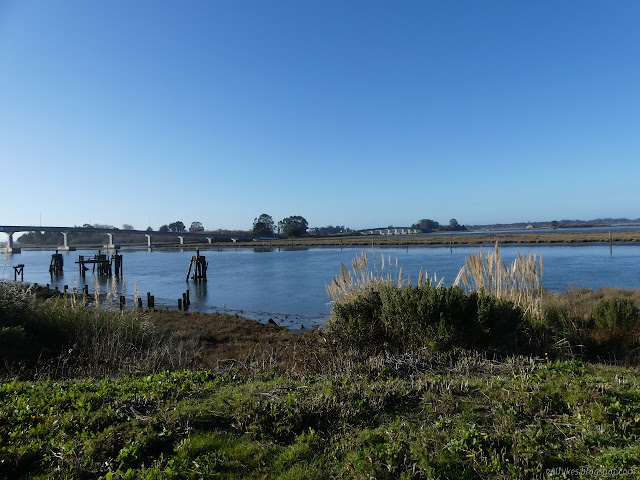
[126, 226]
[149, 229]
[177, 227]
[555, 224]
[426, 225]
[453, 224]
[295, 226]
[263, 226]
[196, 227]
[164, 229]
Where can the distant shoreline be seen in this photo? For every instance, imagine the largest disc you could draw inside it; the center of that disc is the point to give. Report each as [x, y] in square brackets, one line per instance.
[537, 236]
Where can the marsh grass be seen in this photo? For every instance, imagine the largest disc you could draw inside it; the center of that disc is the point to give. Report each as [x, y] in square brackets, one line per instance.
[519, 281]
[420, 415]
[492, 305]
[63, 337]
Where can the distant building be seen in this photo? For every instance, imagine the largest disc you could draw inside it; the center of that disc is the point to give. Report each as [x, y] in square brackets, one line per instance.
[529, 227]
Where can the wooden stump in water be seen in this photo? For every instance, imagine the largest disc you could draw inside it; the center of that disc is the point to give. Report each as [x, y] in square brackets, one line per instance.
[199, 265]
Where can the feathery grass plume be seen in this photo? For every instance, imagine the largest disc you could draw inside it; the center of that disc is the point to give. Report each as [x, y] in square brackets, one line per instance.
[421, 278]
[6, 261]
[135, 294]
[519, 282]
[96, 290]
[346, 283]
[124, 284]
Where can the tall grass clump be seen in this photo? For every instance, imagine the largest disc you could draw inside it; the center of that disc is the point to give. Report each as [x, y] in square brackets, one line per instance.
[519, 282]
[63, 336]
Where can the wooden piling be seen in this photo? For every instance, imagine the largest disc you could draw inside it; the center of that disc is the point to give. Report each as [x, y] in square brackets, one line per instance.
[185, 303]
[57, 263]
[117, 264]
[66, 289]
[199, 265]
[179, 304]
[610, 244]
[18, 270]
[140, 303]
[123, 302]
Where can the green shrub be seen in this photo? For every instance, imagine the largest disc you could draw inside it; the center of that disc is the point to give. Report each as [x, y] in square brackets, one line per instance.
[386, 317]
[616, 314]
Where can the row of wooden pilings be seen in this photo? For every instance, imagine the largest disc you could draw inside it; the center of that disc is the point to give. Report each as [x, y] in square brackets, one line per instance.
[151, 303]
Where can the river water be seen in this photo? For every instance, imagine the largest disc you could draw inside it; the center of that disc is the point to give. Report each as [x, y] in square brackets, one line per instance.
[289, 285]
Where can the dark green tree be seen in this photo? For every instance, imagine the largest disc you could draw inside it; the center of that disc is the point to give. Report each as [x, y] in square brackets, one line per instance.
[263, 226]
[177, 227]
[426, 225]
[164, 229]
[196, 227]
[295, 226]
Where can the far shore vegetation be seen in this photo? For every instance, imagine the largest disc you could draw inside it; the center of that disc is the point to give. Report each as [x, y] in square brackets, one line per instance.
[294, 230]
[491, 378]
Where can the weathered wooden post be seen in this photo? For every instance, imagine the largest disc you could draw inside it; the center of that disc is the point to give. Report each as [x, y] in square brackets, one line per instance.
[140, 303]
[66, 289]
[123, 302]
[179, 304]
[199, 265]
[185, 303]
[57, 263]
[117, 264]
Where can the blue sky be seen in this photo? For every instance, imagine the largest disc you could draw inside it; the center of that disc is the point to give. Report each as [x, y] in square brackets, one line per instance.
[356, 113]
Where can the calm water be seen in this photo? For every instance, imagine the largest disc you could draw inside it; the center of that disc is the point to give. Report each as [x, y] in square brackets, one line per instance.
[289, 286]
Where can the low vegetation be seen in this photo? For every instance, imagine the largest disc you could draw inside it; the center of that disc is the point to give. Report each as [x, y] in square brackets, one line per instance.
[477, 380]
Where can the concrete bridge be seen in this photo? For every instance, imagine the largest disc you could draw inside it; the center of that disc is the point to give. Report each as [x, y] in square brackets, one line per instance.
[11, 230]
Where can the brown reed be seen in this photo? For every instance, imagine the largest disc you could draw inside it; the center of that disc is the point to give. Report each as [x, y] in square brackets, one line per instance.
[519, 281]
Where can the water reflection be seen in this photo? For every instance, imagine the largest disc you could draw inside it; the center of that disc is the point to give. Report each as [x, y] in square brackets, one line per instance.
[199, 290]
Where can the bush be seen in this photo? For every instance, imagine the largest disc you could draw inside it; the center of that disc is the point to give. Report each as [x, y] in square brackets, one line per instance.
[616, 314]
[385, 317]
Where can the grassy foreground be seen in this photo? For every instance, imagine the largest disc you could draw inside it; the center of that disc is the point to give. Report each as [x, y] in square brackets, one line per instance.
[457, 415]
[396, 386]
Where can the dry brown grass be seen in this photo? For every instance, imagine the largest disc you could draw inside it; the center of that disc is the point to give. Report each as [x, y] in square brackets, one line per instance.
[520, 281]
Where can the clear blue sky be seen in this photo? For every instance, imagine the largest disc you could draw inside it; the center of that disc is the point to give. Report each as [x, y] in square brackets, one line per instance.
[357, 113]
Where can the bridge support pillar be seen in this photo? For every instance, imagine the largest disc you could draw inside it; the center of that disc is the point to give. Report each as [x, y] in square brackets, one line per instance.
[10, 248]
[148, 239]
[65, 243]
[181, 240]
[110, 245]
[209, 239]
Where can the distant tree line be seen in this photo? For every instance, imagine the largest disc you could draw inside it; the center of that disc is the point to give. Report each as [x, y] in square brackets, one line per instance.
[428, 225]
[329, 230]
